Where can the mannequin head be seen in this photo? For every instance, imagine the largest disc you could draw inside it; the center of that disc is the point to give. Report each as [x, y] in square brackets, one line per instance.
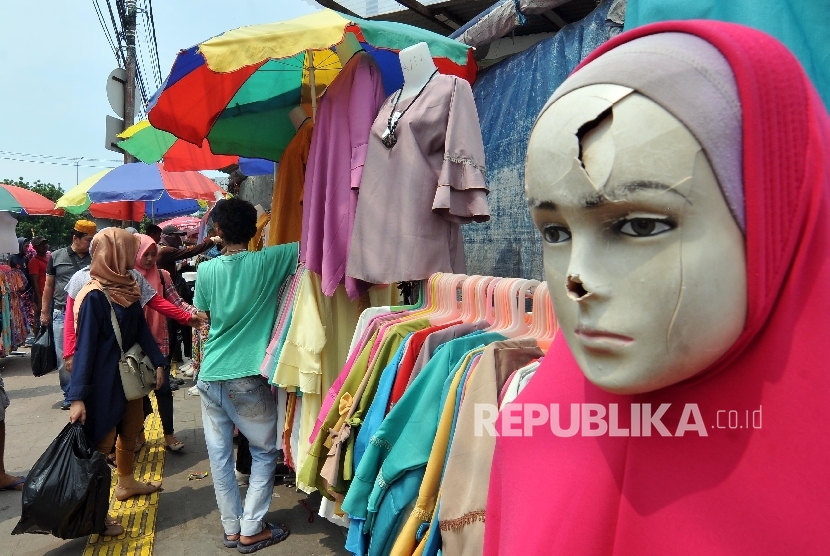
[644, 259]
[417, 66]
[298, 115]
[347, 48]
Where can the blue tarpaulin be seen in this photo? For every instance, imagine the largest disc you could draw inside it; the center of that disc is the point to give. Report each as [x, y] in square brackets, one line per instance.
[509, 96]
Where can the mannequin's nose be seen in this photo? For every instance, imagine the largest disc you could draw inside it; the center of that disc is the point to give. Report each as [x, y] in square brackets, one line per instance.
[576, 289]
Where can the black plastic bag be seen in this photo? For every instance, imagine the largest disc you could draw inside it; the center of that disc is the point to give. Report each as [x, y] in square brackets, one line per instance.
[44, 359]
[67, 492]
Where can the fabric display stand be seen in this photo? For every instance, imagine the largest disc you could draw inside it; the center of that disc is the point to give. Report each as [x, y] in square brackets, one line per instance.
[13, 309]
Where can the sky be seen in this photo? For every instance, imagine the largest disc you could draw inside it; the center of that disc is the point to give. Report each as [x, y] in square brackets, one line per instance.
[54, 63]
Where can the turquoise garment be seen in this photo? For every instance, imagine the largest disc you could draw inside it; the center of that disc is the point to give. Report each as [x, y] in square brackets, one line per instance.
[388, 506]
[404, 439]
[240, 292]
[356, 540]
[801, 25]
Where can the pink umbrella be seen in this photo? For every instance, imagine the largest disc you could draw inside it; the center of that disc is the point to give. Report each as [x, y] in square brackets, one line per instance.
[187, 224]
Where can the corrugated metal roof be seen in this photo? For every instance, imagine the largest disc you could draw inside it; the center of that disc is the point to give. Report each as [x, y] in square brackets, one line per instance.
[455, 13]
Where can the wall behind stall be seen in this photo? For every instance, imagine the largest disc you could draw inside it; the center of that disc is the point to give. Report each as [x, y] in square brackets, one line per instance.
[508, 97]
[257, 190]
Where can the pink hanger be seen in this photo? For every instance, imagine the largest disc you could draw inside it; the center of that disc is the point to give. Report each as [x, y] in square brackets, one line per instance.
[518, 325]
[468, 298]
[450, 308]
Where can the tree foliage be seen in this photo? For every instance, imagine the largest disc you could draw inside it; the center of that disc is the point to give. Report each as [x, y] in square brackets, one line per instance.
[56, 229]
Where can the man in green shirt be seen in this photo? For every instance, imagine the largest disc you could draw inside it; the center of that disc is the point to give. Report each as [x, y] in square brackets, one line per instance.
[240, 291]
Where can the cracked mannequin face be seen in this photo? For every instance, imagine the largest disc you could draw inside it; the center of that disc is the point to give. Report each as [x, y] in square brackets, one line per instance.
[644, 261]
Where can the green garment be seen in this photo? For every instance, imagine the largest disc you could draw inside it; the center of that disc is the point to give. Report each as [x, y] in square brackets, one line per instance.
[241, 292]
[801, 25]
[404, 439]
[387, 351]
[310, 472]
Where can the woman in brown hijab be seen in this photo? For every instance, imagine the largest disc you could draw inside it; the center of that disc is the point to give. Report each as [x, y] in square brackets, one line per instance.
[95, 389]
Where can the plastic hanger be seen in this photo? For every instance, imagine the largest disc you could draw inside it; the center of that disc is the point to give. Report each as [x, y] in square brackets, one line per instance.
[480, 307]
[489, 302]
[518, 324]
[468, 298]
[450, 307]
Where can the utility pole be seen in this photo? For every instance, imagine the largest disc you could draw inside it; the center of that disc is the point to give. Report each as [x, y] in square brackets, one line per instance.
[129, 86]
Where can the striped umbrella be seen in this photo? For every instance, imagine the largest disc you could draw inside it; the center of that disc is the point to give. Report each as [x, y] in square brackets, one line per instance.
[146, 187]
[25, 202]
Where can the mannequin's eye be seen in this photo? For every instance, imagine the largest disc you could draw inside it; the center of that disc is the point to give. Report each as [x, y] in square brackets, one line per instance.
[645, 227]
[556, 234]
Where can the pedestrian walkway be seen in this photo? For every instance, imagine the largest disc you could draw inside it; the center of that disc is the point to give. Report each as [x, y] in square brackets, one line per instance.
[186, 518]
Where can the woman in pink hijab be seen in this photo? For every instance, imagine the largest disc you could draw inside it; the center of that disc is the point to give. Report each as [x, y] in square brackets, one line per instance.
[145, 263]
[737, 462]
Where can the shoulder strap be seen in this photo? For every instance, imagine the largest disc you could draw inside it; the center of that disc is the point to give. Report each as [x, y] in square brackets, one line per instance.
[161, 278]
[115, 327]
[74, 262]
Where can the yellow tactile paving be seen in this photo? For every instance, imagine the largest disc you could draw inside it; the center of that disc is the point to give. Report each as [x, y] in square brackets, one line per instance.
[137, 514]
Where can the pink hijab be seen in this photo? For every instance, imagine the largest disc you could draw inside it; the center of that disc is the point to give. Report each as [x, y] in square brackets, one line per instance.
[156, 321]
[738, 490]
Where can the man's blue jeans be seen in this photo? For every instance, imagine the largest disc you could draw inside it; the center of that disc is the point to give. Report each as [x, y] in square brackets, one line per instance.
[57, 331]
[248, 404]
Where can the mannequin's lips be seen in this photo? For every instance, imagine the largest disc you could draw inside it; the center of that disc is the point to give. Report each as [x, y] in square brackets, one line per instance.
[601, 340]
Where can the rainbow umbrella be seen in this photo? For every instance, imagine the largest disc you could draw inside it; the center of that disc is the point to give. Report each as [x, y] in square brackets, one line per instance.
[27, 203]
[236, 90]
[150, 145]
[150, 189]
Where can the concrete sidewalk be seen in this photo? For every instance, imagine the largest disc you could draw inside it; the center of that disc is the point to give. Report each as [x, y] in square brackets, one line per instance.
[188, 521]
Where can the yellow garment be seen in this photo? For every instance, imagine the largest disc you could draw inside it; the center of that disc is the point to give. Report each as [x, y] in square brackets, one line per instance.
[309, 410]
[252, 44]
[405, 543]
[317, 342]
[300, 362]
[257, 242]
[287, 199]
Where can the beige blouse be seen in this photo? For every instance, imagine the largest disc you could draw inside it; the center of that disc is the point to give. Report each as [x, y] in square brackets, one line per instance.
[414, 196]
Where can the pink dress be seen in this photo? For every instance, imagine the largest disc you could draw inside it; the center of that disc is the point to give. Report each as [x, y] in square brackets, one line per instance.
[414, 196]
[334, 169]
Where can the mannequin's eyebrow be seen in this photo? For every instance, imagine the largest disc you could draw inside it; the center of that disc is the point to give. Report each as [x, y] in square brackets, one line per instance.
[618, 192]
[544, 205]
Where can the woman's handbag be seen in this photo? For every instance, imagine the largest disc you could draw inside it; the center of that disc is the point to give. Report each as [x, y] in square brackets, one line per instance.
[138, 376]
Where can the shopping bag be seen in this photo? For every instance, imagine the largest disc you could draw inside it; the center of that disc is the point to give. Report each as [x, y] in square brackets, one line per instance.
[67, 492]
[44, 359]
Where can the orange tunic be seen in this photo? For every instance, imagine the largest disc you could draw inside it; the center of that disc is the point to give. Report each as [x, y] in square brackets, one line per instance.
[286, 203]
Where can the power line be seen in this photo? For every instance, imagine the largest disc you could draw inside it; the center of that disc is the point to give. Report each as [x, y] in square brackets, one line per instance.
[53, 163]
[119, 35]
[31, 155]
[155, 41]
[103, 24]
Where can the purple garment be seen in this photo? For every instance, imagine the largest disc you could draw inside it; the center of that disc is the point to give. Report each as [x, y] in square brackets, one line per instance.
[335, 167]
[439, 338]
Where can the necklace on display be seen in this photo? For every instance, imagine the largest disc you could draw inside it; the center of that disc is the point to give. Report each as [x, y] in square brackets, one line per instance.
[388, 138]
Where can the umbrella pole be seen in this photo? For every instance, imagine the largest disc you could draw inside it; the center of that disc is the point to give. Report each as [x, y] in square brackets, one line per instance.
[312, 82]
